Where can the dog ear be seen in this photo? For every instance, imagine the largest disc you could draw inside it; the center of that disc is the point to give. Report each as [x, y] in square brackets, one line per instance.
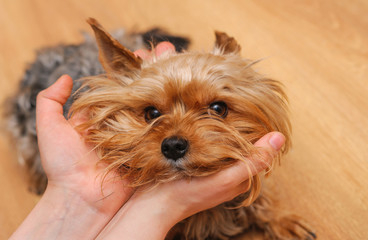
[226, 44]
[113, 56]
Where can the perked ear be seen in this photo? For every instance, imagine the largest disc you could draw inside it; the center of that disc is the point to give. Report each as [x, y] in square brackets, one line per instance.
[113, 56]
[226, 44]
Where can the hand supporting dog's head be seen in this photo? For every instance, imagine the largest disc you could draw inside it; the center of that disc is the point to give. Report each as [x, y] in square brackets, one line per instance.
[180, 114]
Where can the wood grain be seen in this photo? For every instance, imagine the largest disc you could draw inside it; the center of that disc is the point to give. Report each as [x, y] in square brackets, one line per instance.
[318, 49]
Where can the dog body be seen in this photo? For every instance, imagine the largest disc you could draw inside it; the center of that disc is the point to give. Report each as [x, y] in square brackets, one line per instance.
[183, 115]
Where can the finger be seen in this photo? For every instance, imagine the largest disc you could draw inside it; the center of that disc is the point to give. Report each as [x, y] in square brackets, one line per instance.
[274, 140]
[268, 147]
[163, 47]
[143, 53]
[49, 108]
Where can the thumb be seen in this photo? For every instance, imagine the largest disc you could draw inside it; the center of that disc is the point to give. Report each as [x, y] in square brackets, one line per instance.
[49, 107]
[268, 147]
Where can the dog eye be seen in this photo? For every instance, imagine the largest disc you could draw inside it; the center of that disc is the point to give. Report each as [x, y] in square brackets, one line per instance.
[220, 108]
[151, 113]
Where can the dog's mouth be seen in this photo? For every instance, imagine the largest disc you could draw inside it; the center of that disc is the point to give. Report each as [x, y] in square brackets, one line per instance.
[177, 165]
[166, 170]
[186, 168]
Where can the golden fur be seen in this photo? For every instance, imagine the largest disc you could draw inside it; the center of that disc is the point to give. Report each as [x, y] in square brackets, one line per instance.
[182, 87]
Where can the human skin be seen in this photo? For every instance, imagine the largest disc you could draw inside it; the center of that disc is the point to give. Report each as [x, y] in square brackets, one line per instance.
[75, 204]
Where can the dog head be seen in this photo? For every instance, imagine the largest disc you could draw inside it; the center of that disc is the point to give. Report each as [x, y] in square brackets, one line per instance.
[178, 115]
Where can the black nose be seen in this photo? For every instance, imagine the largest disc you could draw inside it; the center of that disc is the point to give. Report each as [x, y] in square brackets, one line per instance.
[174, 147]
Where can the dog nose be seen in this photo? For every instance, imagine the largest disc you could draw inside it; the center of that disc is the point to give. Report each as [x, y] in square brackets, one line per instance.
[174, 147]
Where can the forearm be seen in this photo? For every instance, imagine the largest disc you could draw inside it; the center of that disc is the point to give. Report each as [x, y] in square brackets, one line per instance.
[62, 215]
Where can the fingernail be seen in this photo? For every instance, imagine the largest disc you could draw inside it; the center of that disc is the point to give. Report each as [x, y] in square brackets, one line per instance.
[277, 140]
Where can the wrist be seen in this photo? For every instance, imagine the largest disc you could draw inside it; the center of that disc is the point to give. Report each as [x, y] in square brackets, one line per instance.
[146, 215]
[83, 216]
[62, 214]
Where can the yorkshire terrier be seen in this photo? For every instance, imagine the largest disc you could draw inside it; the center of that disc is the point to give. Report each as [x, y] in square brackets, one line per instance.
[179, 115]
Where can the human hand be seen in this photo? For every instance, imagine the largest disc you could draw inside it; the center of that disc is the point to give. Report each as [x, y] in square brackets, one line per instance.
[69, 162]
[162, 47]
[151, 214]
[74, 195]
[75, 205]
[67, 159]
[159, 209]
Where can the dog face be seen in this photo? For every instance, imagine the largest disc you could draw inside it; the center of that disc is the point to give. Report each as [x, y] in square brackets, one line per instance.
[180, 115]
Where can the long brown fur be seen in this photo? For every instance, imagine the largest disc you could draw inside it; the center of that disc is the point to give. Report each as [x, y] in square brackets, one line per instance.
[182, 87]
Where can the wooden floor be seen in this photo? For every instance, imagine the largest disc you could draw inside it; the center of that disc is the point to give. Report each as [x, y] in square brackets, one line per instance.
[318, 49]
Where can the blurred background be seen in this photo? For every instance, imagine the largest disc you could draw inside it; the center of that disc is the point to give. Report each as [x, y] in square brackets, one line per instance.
[317, 49]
